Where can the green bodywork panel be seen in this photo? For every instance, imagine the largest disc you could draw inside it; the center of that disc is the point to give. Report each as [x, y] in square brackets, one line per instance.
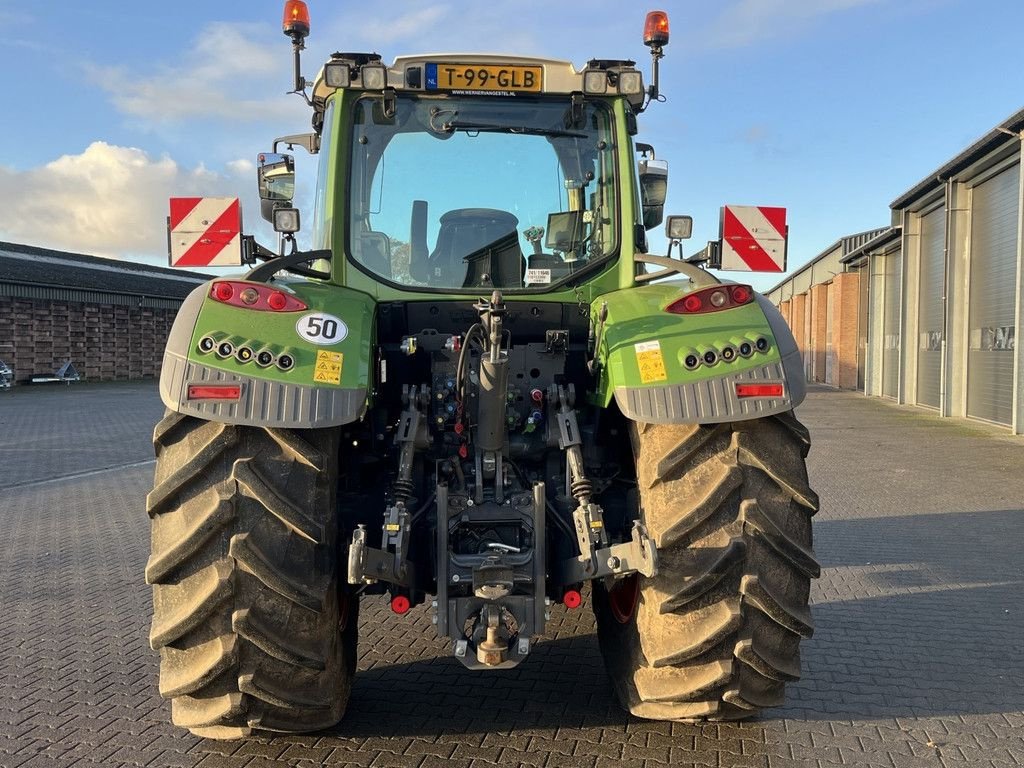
[277, 332]
[637, 316]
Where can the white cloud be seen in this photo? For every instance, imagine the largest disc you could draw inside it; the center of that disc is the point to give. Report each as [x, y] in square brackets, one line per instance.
[403, 27]
[107, 201]
[241, 167]
[233, 73]
[748, 21]
[439, 27]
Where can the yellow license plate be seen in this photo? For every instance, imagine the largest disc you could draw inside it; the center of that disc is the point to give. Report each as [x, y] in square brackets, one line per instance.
[484, 77]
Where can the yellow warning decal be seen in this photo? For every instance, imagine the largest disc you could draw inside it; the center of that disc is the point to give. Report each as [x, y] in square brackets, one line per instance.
[650, 362]
[392, 527]
[328, 367]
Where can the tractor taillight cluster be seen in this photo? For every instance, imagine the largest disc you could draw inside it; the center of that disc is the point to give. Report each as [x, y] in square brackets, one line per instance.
[712, 299]
[253, 296]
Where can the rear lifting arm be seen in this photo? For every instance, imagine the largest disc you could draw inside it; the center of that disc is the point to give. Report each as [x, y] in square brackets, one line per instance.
[390, 563]
[596, 559]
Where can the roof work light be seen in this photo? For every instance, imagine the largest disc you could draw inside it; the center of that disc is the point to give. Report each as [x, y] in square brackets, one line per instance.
[296, 19]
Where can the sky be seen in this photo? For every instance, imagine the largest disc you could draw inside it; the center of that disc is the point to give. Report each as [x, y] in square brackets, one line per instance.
[830, 108]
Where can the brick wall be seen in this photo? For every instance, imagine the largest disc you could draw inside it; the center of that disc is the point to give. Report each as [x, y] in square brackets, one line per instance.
[103, 341]
[819, 317]
[844, 328]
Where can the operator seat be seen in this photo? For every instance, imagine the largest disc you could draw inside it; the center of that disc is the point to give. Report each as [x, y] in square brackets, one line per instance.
[477, 242]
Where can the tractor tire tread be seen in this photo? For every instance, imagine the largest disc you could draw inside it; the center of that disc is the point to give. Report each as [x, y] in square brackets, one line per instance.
[245, 573]
[716, 632]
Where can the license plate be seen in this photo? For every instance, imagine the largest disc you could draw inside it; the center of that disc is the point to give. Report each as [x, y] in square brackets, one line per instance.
[484, 77]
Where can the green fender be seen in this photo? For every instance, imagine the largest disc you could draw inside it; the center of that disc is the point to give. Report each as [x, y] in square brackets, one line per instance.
[326, 384]
[643, 350]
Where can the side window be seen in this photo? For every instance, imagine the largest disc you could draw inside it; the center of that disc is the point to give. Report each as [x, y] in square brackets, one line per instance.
[321, 225]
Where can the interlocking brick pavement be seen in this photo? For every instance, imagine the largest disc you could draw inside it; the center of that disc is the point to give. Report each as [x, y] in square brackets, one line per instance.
[918, 658]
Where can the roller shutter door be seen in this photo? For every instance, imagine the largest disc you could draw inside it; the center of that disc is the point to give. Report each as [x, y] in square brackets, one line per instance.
[876, 331]
[994, 220]
[891, 325]
[929, 308]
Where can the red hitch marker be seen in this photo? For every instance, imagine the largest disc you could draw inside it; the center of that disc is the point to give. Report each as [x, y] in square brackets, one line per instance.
[400, 604]
[572, 599]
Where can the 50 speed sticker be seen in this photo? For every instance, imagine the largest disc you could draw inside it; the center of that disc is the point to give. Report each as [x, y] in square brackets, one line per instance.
[321, 328]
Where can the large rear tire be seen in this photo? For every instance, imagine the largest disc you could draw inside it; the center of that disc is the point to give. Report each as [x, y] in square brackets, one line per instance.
[253, 628]
[715, 635]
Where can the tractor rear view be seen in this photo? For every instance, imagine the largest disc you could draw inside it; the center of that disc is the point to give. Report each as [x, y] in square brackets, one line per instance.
[474, 394]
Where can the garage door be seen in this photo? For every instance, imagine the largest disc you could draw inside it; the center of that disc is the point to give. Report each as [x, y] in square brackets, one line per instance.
[876, 330]
[891, 325]
[929, 318]
[994, 220]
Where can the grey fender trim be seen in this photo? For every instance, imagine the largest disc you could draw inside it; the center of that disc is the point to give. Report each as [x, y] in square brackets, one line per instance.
[705, 402]
[262, 403]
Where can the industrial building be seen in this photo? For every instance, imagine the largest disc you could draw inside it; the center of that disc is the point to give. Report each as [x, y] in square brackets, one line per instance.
[940, 293]
[110, 318]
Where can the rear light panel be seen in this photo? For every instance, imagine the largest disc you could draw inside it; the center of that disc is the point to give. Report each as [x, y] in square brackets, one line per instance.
[254, 296]
[713, 299]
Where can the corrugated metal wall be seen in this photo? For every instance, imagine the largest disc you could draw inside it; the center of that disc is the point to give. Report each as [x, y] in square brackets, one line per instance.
[993, 276]
[930, 307]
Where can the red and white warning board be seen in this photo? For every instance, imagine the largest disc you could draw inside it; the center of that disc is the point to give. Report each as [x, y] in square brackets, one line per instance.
[753, 238]
[205, 232]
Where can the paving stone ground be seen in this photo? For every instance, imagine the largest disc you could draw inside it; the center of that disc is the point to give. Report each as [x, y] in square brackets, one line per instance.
[918, 657]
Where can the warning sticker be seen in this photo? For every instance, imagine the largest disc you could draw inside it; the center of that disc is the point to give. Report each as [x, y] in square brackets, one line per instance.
[650, 362]
[535, 276]
[328, 367]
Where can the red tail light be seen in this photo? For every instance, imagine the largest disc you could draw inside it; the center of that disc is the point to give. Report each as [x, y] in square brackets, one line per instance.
[255, 296]
[713, 299]
[759, 390]
[572, 599]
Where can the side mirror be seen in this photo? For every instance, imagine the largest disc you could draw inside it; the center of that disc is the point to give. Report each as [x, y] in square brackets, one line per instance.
[679, 227]
[653, 190]
[275, 173]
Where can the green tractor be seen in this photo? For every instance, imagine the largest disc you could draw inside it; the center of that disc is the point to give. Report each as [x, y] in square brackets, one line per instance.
[475, 394]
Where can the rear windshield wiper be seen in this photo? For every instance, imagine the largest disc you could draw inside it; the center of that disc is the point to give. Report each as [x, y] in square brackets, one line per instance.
[526, 130]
